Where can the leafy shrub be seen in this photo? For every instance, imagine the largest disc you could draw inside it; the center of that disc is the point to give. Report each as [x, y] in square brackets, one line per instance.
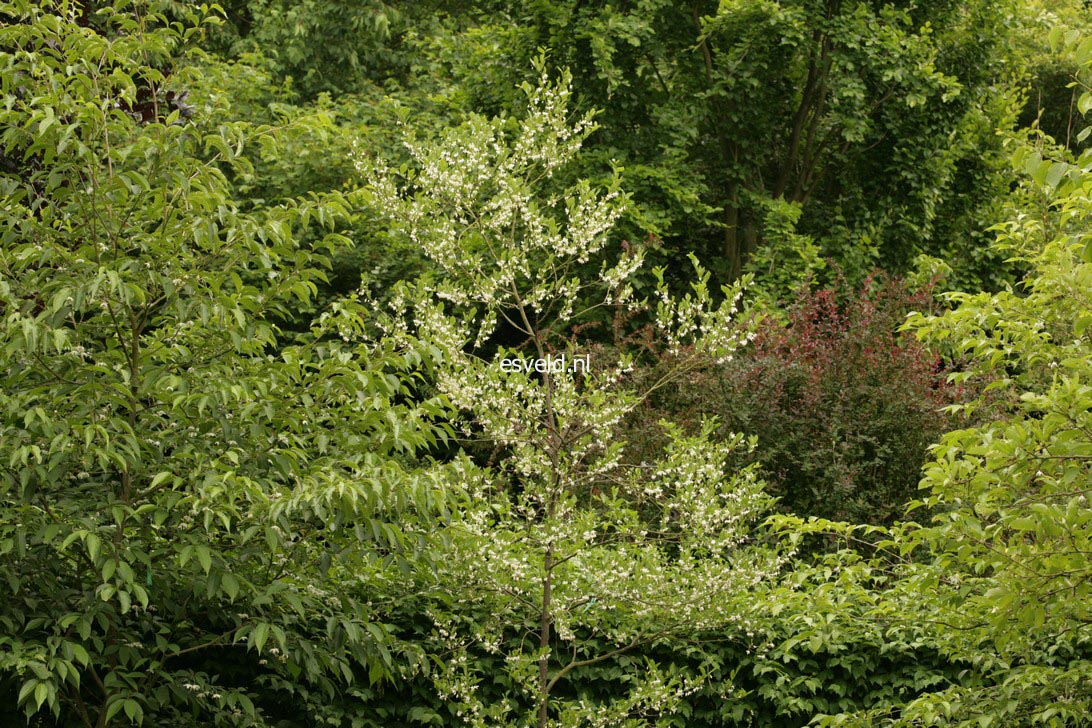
[843, 405]
[814, 648]
[185, 496]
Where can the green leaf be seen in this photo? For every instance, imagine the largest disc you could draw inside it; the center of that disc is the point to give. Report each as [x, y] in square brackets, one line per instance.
[27, 689]
[114, 707]
[133, 710]
[92, 542]
[1056, 172]
[230, 585]
[204, 557]
[259, 635]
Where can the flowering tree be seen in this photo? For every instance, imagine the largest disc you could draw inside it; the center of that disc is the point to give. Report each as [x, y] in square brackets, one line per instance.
[569, 554]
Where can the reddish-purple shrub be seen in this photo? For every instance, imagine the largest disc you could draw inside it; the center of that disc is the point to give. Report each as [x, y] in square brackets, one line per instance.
[844, 406]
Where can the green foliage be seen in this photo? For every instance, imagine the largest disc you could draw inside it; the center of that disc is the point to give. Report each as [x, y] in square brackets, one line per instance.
[319, 46]
[320, 146]
[1051, 103]
[878, 121]
[1006, 573]
[1003, 565]
[786, 261]
[217, 505]
[815, 644]
[187, 503]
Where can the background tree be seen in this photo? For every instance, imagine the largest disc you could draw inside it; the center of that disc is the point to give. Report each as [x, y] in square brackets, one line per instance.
[877, 122]
[318, 46]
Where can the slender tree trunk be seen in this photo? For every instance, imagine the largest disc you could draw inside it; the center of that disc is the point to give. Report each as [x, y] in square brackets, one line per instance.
[732, 252]
[544, 639]
[736, 245]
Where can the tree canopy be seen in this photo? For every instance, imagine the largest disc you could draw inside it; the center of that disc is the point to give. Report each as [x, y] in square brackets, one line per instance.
[555, 363]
